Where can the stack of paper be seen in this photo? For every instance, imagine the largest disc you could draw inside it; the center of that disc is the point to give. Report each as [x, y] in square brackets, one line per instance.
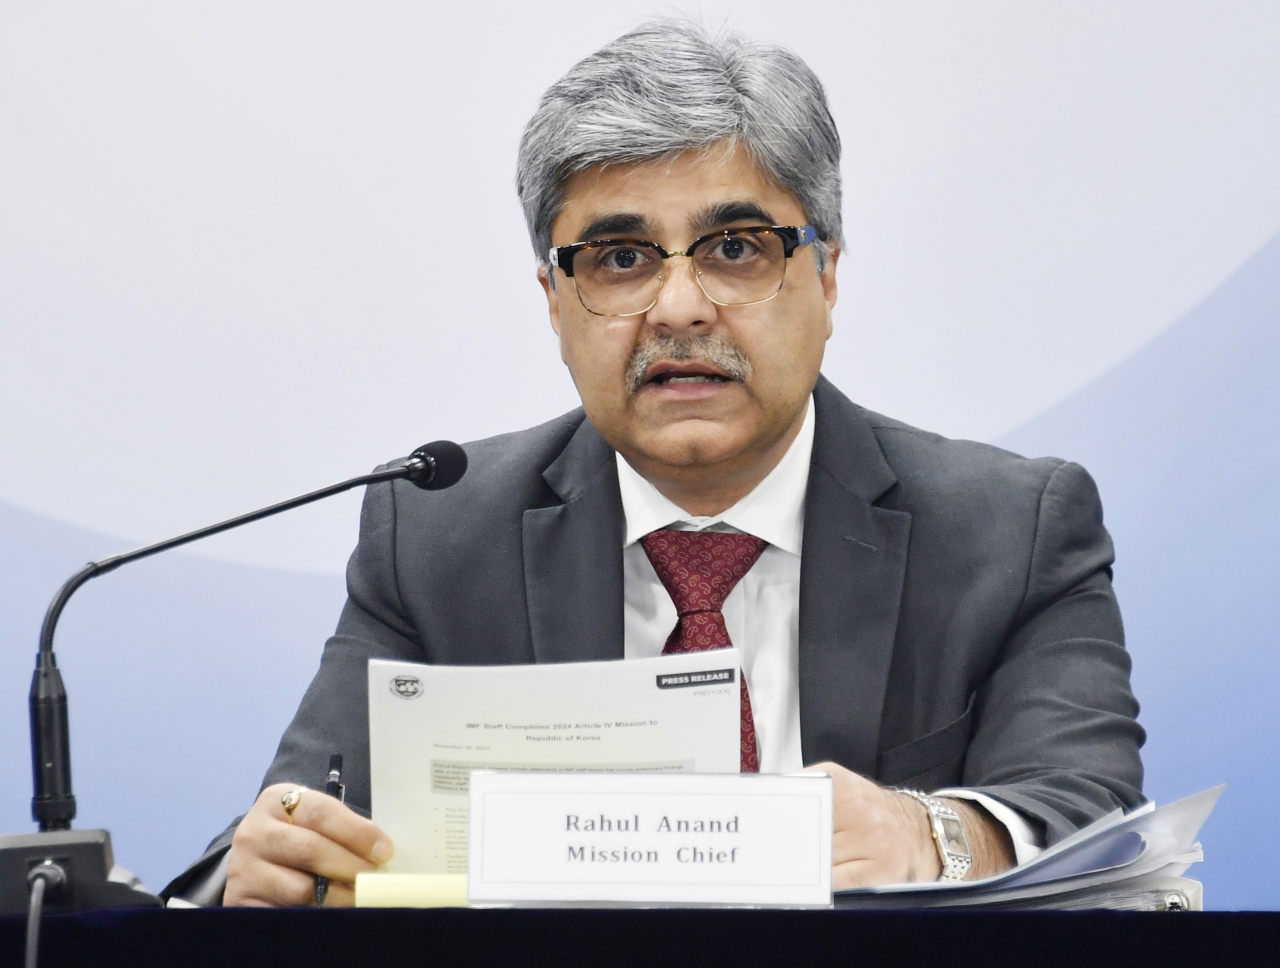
[1132, 862]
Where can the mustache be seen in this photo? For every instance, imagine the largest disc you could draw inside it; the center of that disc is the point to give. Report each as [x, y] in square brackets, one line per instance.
[714, 349]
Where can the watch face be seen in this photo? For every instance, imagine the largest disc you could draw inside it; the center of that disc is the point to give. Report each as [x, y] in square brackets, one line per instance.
[954, 840]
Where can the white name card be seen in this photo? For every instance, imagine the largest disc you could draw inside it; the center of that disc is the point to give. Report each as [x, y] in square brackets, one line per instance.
[644, 838]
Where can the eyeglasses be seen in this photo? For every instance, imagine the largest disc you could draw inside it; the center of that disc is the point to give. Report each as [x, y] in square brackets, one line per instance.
[736, 267]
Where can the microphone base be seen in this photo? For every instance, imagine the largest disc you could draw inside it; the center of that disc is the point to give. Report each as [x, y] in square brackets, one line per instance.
[85, 857]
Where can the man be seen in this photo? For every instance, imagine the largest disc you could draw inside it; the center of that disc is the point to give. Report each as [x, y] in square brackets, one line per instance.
[912, 611]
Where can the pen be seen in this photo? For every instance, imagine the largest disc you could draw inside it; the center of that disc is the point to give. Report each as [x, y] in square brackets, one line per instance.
[332, 788]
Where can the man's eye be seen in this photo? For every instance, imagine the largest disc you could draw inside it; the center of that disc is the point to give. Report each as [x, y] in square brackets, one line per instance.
[736, 248]
[623, 258]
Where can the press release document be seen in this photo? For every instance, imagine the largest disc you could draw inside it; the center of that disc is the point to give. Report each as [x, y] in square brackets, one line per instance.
[430, 725]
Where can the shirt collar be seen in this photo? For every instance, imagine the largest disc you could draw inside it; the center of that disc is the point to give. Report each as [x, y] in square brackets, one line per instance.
[773, 511]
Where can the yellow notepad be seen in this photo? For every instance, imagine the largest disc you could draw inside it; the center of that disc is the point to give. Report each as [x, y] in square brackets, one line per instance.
[374, 889]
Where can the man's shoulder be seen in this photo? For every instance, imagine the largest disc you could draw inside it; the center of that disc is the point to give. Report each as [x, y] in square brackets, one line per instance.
[978, 510]
[925, 470]
[922, 457]
[511, 456]
[505, 476]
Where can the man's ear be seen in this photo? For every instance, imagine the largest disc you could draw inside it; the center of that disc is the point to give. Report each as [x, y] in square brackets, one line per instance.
[829, 289]
[553, 297]
[829, 274]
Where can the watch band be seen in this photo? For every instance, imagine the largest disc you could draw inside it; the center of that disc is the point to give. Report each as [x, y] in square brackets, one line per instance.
[948, 835]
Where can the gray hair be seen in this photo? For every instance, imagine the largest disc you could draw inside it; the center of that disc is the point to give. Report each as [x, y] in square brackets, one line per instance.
[668, 87]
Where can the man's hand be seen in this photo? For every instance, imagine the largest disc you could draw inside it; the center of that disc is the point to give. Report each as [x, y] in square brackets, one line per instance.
[883, 837]
[274, 862]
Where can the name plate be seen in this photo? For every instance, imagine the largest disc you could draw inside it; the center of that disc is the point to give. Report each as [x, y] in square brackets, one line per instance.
[541, 839]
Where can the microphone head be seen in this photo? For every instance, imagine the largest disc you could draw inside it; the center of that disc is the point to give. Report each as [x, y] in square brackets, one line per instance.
[447, 462]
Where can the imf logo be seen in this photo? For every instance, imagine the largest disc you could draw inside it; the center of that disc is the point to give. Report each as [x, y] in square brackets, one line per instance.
[406, 687]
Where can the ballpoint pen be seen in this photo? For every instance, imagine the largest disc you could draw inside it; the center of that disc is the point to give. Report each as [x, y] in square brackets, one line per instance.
[333, 788]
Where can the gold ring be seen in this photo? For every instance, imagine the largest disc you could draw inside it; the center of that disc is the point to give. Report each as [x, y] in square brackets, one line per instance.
[290, 802]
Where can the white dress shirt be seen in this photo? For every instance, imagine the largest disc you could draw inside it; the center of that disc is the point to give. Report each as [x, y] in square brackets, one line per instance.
[761, 613]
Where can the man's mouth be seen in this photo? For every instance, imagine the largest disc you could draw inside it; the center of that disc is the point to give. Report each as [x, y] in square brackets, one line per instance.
[663, 361]
[663, 374]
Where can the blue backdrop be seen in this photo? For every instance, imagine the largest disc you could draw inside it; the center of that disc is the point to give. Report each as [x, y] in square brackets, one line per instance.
[1182, 439]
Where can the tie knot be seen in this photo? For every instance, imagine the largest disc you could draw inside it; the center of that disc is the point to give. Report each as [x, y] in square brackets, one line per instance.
[700, 568]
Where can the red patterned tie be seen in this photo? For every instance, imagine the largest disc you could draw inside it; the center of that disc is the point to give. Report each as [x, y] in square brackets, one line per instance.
[699, 569]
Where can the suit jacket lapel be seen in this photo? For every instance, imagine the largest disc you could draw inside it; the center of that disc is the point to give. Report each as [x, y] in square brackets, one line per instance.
[573, 556]
[851, 575]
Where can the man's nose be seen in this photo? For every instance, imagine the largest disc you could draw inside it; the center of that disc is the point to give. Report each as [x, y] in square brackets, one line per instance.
[681, 302]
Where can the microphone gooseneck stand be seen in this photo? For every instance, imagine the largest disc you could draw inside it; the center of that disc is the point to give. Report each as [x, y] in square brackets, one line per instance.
[68, 870]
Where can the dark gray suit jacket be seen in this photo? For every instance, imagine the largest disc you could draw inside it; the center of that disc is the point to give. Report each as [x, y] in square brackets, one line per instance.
[957, 622]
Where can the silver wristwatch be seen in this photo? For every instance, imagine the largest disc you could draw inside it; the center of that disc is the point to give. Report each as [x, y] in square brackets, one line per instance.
[948, 835]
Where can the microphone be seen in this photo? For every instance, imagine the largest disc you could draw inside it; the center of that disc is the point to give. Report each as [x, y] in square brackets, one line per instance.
[437, 465]
[432, 467]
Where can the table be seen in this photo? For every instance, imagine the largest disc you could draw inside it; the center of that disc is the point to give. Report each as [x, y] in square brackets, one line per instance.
[671, 938]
